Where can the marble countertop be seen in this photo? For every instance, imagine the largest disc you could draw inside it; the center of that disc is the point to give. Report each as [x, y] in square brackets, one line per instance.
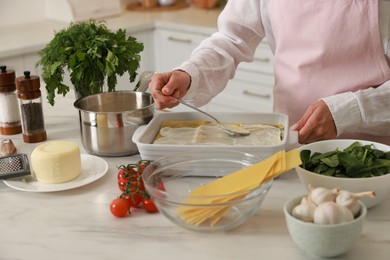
[32, 37]
[77, 224]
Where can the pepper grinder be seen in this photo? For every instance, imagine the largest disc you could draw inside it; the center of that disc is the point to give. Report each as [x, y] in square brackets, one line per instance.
[30, 102]
[9, 109]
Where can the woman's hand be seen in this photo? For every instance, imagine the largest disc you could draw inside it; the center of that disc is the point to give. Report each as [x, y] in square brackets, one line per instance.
[175, 83]
[316, 124]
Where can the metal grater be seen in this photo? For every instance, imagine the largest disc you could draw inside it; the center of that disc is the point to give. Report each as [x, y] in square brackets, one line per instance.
[14, 165]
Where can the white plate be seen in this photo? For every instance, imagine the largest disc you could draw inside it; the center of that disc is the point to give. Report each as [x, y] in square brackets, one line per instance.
[93, 168]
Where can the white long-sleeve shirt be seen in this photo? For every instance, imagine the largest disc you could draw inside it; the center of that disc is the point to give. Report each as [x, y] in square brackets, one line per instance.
[242, 25]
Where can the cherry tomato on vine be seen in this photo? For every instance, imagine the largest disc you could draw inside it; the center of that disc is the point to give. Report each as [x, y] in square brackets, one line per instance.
[119, 207]
[149, 205]
[133, 190]
[141, 186]
[132, 175]
[128, 199]
[120, 174]
[126, 171]
[122, 184]
[141, 168]
[137, 200]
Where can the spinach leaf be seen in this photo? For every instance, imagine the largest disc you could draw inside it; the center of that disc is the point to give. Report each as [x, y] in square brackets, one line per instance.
[331, 160]
[355, 161]
[305, 158]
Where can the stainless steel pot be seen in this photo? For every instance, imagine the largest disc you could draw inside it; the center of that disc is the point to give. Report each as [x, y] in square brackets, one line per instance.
[108, 121]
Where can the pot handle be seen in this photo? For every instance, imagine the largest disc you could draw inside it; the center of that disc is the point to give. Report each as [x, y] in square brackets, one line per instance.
[144, 80]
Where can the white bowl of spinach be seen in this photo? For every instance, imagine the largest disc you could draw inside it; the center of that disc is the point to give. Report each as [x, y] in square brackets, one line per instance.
[354, 165]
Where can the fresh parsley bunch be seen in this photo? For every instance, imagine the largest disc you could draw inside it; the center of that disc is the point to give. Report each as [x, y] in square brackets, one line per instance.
[92, 54]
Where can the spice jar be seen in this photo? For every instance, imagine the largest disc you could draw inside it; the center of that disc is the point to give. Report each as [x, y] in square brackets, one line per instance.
[30, 102]
[9, 109]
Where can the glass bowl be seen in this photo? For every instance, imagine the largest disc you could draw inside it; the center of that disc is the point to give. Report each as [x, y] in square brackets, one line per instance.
[171, 179]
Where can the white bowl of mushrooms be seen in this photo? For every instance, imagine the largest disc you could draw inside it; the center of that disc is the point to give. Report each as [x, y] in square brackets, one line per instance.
[326, 222]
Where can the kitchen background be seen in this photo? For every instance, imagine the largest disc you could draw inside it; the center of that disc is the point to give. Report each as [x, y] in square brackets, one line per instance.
[169, 36]
[77, 224]
[17, 12]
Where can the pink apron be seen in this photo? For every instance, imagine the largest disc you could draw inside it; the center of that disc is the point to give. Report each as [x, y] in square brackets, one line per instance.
[318, 52]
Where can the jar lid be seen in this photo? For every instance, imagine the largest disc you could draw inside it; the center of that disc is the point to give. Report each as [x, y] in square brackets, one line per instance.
[27, 83]
[8, 88]
[7, 78]
[29, 95]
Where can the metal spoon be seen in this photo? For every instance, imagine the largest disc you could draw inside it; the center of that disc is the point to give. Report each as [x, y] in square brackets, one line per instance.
[230, 129]
[144, 80]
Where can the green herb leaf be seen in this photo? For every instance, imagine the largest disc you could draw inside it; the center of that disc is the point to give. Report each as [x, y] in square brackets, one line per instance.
[92, 54]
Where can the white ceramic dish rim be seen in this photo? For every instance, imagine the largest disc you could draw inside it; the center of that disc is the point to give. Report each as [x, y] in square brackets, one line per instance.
[144, 135]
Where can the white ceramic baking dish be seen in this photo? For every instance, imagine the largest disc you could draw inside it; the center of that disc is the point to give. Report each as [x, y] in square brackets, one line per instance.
[145, 135]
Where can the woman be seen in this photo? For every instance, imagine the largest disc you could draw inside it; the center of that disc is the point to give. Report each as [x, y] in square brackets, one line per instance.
[331, 64]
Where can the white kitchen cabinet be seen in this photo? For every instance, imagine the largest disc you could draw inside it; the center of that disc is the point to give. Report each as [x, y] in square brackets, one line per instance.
[30, 61]
[173, 47]
[22, 63]
[13, 63]
[249, 91]
[147, 62]
[147, 56]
